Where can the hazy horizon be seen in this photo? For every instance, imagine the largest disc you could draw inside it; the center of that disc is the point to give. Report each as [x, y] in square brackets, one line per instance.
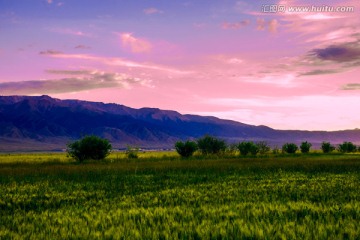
[255, 62]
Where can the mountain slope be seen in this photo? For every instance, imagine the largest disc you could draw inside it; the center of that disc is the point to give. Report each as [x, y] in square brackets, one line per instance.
[45, 123]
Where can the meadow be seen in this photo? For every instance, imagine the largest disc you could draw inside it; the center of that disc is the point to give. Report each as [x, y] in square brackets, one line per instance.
[161, 196]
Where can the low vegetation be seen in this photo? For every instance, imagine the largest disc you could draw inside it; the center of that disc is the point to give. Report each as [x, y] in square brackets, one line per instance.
[89, 148]
[347, 147]
[305, 147]
[289, 148]
[215, 194]
[246, 148]
[211, 145]
[160, 196]
[186, 149]
[132, 152]
[326, 147]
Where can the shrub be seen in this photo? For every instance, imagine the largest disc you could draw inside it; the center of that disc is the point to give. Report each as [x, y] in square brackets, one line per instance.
[275, 150]
[89, 147]
[244, 148]
[327, 147]
[263, 147]
[305, 147]
[186, 149]
[211, 145]
[289, 148]
[232, 149]
[347, 147]
[248, 147]
[132, 152]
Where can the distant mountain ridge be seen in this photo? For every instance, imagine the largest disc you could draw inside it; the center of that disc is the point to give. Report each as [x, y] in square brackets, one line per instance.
[30, 123]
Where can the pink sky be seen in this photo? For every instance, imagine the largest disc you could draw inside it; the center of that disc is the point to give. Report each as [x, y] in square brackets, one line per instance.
[230, 59]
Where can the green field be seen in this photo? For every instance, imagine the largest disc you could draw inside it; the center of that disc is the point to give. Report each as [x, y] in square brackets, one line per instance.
[160, 196]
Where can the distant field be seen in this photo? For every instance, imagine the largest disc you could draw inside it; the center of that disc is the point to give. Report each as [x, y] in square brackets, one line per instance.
[160, 196]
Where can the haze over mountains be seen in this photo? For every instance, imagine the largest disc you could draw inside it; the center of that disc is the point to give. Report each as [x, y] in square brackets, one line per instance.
[44, 123]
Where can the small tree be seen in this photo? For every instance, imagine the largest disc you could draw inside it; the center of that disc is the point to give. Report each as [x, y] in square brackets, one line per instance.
[248, 147]
[89, 147]
[186, 149]
[347, 147]
[211, 145]
[327, 147]
[244, 148]
[289, 148]
[263, 147]
[305, 147]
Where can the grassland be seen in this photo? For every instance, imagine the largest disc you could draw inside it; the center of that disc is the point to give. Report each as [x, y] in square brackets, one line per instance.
[160, 196]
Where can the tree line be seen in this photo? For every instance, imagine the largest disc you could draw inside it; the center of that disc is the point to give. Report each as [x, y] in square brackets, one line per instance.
[96, 148]
[212, 145]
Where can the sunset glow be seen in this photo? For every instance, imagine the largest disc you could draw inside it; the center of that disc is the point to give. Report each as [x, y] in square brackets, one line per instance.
[256, 62]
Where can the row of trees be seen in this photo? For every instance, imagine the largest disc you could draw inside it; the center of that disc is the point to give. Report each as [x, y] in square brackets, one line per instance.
[93, 147]
[211, 145]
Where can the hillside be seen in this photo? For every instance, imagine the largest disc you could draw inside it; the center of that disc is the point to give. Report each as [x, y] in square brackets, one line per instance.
[44, 123]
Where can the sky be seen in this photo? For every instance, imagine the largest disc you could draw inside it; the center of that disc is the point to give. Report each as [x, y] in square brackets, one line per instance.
[286, 64]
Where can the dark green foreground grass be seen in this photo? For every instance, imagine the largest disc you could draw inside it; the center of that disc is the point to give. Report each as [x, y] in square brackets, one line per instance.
[301, 197]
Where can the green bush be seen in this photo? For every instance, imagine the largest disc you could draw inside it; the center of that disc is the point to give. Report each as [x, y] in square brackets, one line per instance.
[211, 145]
[232, 149]
[289, 148]
[275, 150]
[263, 147]
[248, 147]
[186, 149]
[244, 148]
[326, 147]
[305, 147]
[347, 147]
[132, 152]
[89, 147]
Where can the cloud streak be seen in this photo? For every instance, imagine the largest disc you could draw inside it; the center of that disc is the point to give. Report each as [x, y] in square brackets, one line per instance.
[120, 62]
[135, 45]
[50, 52]
[338, 53]
[82, 80]
[69, 31]
[235, 25]
[331, 59]
[81, 46]
[351, 86]
[152, 10]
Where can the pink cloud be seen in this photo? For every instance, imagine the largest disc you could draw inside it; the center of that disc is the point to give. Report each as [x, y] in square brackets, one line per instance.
[260, 22]
[271, 25]
[324, 27]
[235, 25]
[152, 10]
[135, 45]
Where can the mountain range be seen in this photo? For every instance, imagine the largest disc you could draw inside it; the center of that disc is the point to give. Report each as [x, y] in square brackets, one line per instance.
[42, 123]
